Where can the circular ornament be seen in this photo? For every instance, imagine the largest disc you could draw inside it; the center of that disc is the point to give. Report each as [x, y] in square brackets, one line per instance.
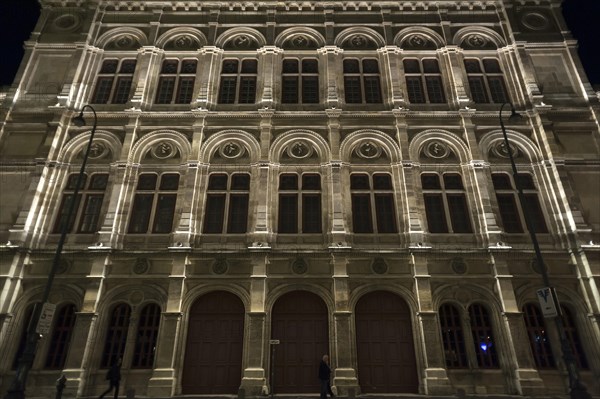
[458, 266]
[299, 266]
[220, 266]
[437, 150]
[476, 41]
[242, 41]
[535, 21]
[301, 41]
[417, 41]
[358, 41]
[63, 266]
[163, 150]
[183, 42]
[98, 150]
[300, 149]
[369, 150]
[379, 266]
[231, 150]
[500, 150]
[141, 266]
[136, 297]
[125, 41]
[67, 22]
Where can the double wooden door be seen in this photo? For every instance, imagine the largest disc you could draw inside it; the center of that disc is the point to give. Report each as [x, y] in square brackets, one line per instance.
[384, 342]
[299, 322]
[213, 353]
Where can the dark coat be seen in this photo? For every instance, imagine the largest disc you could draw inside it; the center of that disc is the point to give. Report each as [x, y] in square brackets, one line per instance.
[114, 374]
[324, 371]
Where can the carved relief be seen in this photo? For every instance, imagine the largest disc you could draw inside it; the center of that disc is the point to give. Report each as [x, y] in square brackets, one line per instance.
[300, 42]
[299, 266]
[98, 150]
[437, 150]
[163, 150]
[359, 41]
[379, 266]
[220, 266]
[500, 150]
[458, 265]
[300, 149]
[231, 150]
[368, 150]
[141, 266]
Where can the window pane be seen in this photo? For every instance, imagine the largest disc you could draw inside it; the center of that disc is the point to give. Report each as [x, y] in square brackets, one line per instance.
[288, 182]
[140, 213]
[311, 182]
[165, 211]
[452, 181]
[430, 181]
[169, 66]
[63, 213]
[214, 213]
[509, 213]
[415, 90]
[483, 338]
[534, 210]
[290, 66]
[359, 182]
[189, 66]
[478, 89]
[452, 337]
[128, 66]
[497, 89]
[166, 87]
[169, 181]
[147, 334]
[370, 66]
[386, 217]
[435, 90]
[91, 214]
[472, 66]
[436, 217]
[352, 90]
[217, 182]
[230, 66]
[122, 91]
[372, 90]
[310, 89]
[288, 213]
[351, 66]
[103, 88]
[311, 213]
[72, 182]
[227, 90]
[573, 338]
[240, 181]
[538, 338]
[247, 90]
[525, 181]
[501, 181]
[382, 181]
[147, 181]
[310, 66]
[361, 213]
[491, 65]
[238, 213]
[249, 66]
[431, 66]
[23, 341]
[61, 337]
[459, 213]
[186, 90]
[109, 66]
[116, 336]
[412, 66]
[289, 90]
[99, 181]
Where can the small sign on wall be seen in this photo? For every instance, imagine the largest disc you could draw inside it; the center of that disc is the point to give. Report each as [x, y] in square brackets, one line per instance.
[45, 321]
[547, 298]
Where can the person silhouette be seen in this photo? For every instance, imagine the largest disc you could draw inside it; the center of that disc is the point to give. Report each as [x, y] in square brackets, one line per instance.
[324, 377]
[114, 378]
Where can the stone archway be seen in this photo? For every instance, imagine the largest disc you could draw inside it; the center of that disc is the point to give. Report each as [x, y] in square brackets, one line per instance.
[300, 322]
[213, 352]
[384, 344]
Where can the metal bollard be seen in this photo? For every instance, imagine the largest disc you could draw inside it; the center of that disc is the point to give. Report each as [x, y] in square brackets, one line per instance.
[60, 386]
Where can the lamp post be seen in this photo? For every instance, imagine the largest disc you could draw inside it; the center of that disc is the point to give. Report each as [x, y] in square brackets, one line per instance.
[576, 389]
[17, 388]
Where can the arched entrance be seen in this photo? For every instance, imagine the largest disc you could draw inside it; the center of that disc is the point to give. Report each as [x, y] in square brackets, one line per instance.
[213, 352]
[299, 322]
[384, 344]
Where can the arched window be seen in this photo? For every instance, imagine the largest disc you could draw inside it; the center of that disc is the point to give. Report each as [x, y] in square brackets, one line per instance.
[116, 335]
[483, 337]
[154, 203]
[23, 339]
[231, 194]
[61, 337]
[147, 333]
[362, 81]
[445, 203]
[538, 337]
[452, 337]
[573, 338]
[372, 203]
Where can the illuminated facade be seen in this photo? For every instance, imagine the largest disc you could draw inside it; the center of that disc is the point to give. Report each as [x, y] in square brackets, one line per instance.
[330, 175]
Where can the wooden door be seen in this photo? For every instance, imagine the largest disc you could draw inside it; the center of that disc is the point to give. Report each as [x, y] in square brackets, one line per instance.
[384, 343]
[299, 322]
[213, 353]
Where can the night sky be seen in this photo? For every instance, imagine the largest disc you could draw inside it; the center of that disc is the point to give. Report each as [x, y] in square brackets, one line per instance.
[18, 17]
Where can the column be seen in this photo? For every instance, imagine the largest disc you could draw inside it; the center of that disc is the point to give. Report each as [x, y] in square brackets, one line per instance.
[256, 347]
[451, 66]
[269, 59]
[393, 68]
[208, 79]
[163, 380]
[338, 228]
[329, 57]
[147, 69]
[263, 230]
[344, 378]
[435, 379]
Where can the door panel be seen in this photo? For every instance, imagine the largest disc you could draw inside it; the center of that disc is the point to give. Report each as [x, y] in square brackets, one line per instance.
[299, 321]
[384, 343]
[213, 353]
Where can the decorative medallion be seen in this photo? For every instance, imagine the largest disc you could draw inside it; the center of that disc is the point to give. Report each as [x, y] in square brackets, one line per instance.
[243, 41]
[418, 41]
[125, 42]
[141, 265]
[136, 297]
[301, 42]
[369, 150]
[458, 266]
[535, 21]
[231, 150]
[67, 22]
[299, 266]
[379, 266]
[163, 150]
[437, 150]
[500, 150]
[220, 266]
[184, 41]
[63, 266]
[98, 150]
[477, 41]
[299, 149]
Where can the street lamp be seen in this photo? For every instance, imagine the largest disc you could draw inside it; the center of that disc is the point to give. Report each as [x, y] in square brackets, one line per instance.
[17, 388]
[577, 389]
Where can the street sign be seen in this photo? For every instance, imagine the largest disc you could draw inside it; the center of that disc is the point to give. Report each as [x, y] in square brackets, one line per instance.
[45, 321]
[274, 342]
[547, 300]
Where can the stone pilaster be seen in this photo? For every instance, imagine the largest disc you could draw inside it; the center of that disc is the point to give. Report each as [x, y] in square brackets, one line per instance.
[269, 62]
[451, 66]
[394, 69]
[330, 56]
[207, 84]
[145, 79]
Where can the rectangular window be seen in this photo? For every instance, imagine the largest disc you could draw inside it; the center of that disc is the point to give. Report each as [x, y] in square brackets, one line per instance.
[227, 203]
[415, 90]
[227, 90]
[436, 217]
[478, 91]
[386, 218]
[238, 213]
[154, 206]
[352, 90]
[288, 213]
[91, 194]
[122, 90]
[310, 89]
[215, 212]
[114, 83]
[247, 90]
[459, 214]
[140, 213]
[311, 213]
[486, 80]
[166, 87]
[289, 90]
[361, 213]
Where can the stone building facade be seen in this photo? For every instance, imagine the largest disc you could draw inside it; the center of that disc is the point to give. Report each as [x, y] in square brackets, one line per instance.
[328, 175]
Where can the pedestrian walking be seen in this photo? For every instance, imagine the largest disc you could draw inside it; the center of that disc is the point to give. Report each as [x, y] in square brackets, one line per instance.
[324, 377]
[114, 378]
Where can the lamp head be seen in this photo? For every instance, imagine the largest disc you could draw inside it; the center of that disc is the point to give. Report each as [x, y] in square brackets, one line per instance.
[78, 120]
[514, 116]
